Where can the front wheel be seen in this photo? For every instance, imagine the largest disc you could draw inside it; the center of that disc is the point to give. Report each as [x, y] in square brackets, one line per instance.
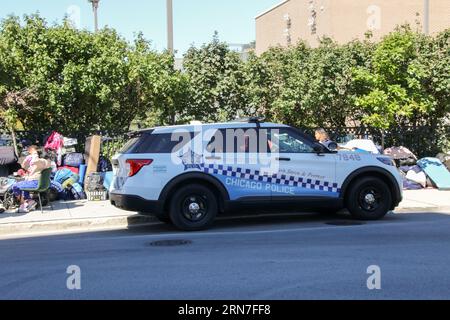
[193, 207]
[164, 218]
[369, 198]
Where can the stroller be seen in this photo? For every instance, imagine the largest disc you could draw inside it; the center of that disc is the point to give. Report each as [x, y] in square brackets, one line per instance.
[8, 164]
[7, 198]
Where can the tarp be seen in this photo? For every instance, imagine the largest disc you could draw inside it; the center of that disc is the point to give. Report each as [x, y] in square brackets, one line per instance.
[436, 171]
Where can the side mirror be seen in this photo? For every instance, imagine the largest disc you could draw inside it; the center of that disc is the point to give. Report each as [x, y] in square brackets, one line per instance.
[318, 148]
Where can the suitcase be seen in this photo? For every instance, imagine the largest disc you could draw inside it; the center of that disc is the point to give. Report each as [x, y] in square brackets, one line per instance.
[74, 159]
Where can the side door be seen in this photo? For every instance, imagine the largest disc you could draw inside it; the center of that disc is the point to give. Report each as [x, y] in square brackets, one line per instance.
[299, 172]
[233, 158]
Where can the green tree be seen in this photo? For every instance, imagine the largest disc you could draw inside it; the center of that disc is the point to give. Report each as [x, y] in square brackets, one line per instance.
[82, 81]
[392, 89]
[216, 79]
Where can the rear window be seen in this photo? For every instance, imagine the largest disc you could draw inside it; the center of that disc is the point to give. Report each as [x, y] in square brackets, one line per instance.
[153, 143]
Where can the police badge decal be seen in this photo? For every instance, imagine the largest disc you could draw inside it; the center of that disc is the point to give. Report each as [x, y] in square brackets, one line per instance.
[192, 160]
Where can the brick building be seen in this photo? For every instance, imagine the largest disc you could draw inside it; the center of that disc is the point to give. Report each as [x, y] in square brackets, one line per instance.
[345, 20]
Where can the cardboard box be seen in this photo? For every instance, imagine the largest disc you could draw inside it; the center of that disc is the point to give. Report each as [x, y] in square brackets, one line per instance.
[92, 153]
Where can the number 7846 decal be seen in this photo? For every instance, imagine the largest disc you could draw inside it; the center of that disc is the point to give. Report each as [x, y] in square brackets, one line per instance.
[348, 157]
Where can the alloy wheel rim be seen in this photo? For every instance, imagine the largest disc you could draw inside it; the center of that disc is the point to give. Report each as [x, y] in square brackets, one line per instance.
[369, 199]
[194, 207]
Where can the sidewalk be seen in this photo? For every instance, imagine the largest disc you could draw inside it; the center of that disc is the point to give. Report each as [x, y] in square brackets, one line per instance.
[73, 216]
[430, 199]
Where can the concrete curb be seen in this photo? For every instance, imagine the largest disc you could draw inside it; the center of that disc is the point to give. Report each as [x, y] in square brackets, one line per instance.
[422, 209]
[67, 225]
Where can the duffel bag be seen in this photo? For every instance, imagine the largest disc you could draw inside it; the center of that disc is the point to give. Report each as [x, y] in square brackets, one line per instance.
[104, 165]
[62, 175]
[77, 192]
[73, 159]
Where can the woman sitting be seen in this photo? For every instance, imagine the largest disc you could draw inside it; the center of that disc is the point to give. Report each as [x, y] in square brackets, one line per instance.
[34, 166]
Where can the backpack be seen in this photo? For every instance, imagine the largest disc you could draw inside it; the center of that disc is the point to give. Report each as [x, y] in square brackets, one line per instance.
[94, 182]
[62, 175]
[73, 159]
[71, 181]
[77, 192]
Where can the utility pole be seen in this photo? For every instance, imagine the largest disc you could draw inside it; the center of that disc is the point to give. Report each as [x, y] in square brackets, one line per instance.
[426, 16]
[170, 26]
[95, 9]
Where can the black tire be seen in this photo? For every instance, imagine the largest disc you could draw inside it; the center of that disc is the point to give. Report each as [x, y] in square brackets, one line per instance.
[193, 207]
[368, 198]
[327, 212]
[164, 218]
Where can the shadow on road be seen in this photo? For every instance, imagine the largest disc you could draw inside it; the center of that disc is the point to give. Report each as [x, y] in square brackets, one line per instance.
[248, 222]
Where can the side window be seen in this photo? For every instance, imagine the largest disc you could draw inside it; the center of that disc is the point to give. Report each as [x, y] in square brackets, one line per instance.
[285, 140]
[158, 143]
[234, 140]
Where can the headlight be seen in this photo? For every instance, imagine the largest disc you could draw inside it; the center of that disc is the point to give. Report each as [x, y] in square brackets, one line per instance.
[387, 161]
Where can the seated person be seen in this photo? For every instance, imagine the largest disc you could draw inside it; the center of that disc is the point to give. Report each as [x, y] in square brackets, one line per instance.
[28, 161]
[35, 166]
[324, 139]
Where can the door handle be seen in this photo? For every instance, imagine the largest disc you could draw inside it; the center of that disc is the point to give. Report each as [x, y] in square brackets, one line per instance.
[283, 159]
[213, 158]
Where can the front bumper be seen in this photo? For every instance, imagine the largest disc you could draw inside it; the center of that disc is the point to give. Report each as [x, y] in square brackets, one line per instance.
[135, 203]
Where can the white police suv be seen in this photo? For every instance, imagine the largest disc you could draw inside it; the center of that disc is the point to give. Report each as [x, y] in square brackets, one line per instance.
[187, 175]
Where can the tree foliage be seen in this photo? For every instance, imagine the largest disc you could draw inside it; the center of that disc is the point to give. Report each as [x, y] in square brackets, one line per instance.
[57, 77]
[82, 81]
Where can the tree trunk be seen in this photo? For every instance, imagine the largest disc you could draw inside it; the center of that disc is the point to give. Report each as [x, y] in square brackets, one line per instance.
[13, 135]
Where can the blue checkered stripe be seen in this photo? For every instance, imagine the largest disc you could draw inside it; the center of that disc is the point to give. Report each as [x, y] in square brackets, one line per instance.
[293, 181]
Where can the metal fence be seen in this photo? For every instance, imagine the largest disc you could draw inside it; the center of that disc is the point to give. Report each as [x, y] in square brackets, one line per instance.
[423, 140]
[112, 142]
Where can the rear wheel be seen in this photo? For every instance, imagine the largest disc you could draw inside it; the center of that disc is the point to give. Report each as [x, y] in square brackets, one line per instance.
[193, 207]
[10, 201]
[369, 198]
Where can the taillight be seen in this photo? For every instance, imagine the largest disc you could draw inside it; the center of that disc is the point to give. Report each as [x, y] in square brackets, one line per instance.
[137, 164]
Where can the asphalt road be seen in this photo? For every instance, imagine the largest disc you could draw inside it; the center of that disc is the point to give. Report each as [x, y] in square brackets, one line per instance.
[281, 257]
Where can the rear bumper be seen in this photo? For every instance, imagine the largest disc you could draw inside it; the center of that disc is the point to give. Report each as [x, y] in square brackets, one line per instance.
[135, 203]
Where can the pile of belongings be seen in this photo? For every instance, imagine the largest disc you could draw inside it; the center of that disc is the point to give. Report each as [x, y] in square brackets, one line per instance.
[418, 174]
[68, 180]
[66, 185]
[414, 178]
[401, 155]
